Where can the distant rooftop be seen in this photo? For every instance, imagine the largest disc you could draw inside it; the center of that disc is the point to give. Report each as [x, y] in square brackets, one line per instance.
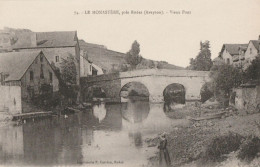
[233, 49]
[29, 39]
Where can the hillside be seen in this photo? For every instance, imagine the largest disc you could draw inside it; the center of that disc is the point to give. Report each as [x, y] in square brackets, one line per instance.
[111, 60]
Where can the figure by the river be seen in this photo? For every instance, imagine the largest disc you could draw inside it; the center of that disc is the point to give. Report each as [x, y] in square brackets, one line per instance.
[164, 158]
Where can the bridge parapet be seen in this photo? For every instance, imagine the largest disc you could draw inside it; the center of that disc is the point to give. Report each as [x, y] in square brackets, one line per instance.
[164, 72]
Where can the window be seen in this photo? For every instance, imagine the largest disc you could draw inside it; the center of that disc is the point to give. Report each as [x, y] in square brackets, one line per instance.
[41, 58]
[90, 67]
[50, 73]
[41, 74]
[250, 50]
[228, 61]
[31, 75]
[57, 58]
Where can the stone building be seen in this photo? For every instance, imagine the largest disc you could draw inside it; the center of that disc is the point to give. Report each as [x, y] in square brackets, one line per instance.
[230, 53]
[56, 46]
[251, 52]
[30, 71]
[88, 68]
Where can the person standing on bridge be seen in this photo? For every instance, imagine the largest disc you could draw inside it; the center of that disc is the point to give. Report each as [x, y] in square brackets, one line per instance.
[164, 158]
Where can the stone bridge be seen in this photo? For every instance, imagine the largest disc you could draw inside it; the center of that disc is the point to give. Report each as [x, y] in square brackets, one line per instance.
[155, 80]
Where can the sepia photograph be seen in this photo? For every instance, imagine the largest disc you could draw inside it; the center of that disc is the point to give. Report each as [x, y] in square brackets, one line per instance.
[130, 83]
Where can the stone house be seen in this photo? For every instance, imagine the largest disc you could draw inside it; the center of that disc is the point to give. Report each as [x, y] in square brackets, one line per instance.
[88, 68]
[85, 67]
[230, 53]
[30, 71]
[251, 52]
[56, 46]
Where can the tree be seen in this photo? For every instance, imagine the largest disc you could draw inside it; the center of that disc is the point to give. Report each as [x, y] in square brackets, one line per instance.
[253, 71]
[68, 86]
[224, 78]
[203, 61]
[68, 70]
[133, 57]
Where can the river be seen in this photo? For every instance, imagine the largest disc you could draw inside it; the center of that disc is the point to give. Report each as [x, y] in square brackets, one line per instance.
[109, 134]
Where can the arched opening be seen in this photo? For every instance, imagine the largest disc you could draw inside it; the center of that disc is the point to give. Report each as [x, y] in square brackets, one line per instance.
[135, 91]
[174, 93]
[94, 93]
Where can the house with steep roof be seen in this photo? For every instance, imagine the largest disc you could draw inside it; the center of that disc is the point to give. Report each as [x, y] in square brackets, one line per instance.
[87, 67]
[29, 70]
[56, 46]
[252, 51]
[230, 53]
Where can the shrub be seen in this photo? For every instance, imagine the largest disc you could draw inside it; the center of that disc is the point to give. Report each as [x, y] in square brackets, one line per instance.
[222, 145]
[249, 149]
[206, 92]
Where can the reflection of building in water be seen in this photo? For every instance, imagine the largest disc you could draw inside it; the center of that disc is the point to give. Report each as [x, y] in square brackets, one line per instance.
[71, 139]
[99, 111]
[40, 147]
[135, 112]
[11, 144]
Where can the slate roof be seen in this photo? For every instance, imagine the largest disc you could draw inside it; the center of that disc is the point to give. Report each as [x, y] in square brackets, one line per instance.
[45, 39]
[56, 39]
[256, 43]
[233, 49]
[16, 63]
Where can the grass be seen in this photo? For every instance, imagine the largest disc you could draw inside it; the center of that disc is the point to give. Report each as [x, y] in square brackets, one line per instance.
[249, 149]
[220, 146]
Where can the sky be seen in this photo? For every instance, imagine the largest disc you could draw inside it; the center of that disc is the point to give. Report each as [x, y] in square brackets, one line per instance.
[174, 38]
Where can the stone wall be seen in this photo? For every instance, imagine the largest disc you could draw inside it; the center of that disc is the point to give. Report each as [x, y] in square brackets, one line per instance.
[10, 99]
[110, 83]
[248, 99]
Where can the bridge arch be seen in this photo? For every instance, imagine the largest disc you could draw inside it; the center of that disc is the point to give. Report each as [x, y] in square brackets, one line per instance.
[134, 89]
[174, 92]
[93, 92]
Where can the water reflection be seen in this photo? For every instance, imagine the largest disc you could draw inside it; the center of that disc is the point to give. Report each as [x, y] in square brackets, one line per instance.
[108, 132]
[99, 111]
[135, 111]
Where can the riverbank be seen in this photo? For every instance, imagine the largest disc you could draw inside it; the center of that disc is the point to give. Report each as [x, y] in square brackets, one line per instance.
[190, 145]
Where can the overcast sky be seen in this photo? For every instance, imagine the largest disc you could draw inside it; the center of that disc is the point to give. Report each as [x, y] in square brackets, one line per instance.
[168, 37]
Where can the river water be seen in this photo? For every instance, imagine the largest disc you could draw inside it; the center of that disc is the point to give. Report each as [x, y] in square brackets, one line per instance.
[109, 134]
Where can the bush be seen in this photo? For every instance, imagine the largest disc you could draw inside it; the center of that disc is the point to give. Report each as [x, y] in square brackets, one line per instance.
[206, 92]
[249, 149]
[222, 145]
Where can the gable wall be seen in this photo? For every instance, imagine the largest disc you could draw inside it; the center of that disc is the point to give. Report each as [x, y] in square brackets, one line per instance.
[37, 81]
